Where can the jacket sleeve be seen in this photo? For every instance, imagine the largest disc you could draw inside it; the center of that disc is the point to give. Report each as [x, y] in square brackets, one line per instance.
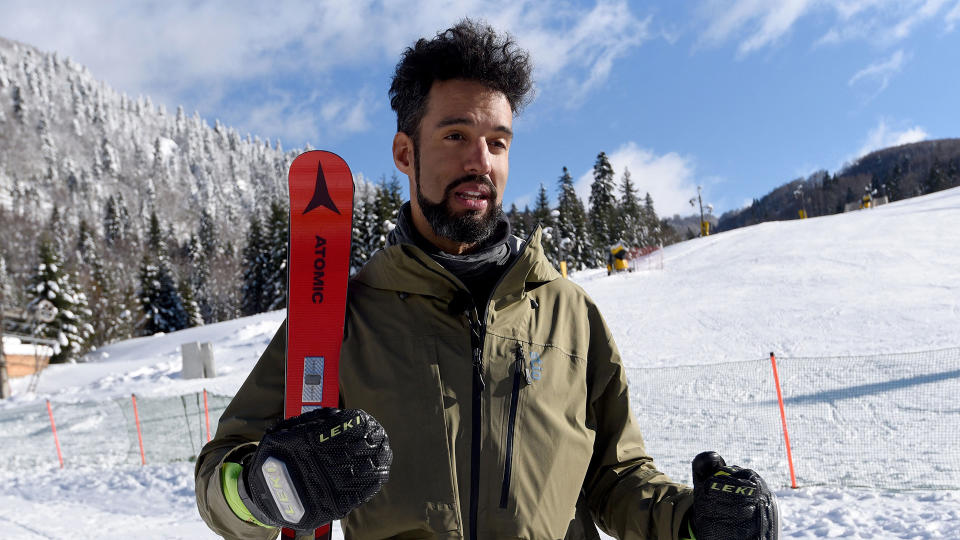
[257, 405]
[628, 497]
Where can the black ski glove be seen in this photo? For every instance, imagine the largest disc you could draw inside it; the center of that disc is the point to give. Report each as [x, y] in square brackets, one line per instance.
[311, 469]
[731, 503]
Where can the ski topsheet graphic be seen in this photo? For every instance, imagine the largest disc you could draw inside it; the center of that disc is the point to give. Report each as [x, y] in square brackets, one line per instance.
[318, 265]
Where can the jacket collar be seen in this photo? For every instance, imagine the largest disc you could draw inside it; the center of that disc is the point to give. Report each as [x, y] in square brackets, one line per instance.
[407, 268]
[492, 255]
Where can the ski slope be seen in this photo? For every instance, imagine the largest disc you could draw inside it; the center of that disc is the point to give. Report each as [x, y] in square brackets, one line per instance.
[883, 280]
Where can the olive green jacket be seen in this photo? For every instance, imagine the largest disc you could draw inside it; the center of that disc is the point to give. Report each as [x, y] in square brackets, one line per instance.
[499, 418]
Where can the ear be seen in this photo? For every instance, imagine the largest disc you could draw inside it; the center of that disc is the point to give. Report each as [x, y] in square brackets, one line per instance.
[403, 153]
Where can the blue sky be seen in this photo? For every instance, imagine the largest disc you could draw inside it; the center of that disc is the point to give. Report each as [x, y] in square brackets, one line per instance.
[737, 96]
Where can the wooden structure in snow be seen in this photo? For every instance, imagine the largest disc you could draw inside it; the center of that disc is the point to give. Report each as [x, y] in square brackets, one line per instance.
[22, 353]
[24, 356]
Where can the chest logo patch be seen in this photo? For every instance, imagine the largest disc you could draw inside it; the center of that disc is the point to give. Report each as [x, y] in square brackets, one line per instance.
[536, 366]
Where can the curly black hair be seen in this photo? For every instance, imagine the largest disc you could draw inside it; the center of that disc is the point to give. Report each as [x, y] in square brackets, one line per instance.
[469, 50]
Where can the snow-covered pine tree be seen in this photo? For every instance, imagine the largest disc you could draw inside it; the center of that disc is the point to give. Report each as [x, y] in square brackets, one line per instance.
[112, 226]
[517, 224]
[18, 109]
[6, 290]
[111, 303]
[198, 273]
[86, 258]
[161, 303]
[388, 202]
[276, 238]
[194, 317]
[603, 210]
[51, 282]
[48, 147]
[207, 234]
[220, 300]
[86, 249]
[109, 158]
[543, 215]
[571, 225]
[253, 290]
[630, 214]
[57, 231]
[652, 229]
[112, 279]
[529, 222]
[364, 218]
[130, 230]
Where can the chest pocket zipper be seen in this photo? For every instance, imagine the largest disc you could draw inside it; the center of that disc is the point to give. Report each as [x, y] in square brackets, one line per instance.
[521, 379]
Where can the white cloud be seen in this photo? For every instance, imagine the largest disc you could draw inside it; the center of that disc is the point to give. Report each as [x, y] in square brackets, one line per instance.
[953, 17]
[198, 53]
[883, 136]
[880, 72]
[669, 178]
[756, 24]
[350, 116]
[775, 24]
[590, 43]
[317, 118]
[903, 28]
[847, 9]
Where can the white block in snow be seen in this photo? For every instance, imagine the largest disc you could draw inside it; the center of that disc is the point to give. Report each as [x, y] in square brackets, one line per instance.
[197, 360]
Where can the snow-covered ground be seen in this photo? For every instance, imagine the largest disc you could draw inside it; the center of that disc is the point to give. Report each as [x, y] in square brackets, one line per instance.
[885, 280]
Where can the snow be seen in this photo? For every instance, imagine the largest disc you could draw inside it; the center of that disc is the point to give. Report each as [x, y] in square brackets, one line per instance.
[13, 346]
[167, 147]
[884, 280]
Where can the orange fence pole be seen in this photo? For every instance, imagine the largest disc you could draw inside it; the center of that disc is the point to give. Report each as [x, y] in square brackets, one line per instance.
[783, 420]
[206, 413]
[136, 418]
[53, 426]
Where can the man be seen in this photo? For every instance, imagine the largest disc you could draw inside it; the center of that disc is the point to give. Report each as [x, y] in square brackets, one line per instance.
[498, 384]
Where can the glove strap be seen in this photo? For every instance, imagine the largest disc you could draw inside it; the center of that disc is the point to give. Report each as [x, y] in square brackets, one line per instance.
[233, 491]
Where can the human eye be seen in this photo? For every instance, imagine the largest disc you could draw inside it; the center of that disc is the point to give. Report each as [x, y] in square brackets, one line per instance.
[455, 136]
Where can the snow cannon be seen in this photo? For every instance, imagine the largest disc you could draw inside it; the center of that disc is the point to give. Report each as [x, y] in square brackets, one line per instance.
[618, 259]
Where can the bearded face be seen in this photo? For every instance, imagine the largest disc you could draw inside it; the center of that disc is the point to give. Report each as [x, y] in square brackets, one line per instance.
[458, 162]
[464, 225]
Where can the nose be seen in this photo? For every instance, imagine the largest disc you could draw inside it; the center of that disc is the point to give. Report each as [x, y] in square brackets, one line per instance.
[478, 159]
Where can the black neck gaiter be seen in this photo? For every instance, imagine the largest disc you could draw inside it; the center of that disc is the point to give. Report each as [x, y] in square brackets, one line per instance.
[479, 270]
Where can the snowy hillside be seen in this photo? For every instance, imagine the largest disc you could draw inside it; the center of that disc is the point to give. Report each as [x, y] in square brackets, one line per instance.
[95, 143]
[876, 281]
[885, 280]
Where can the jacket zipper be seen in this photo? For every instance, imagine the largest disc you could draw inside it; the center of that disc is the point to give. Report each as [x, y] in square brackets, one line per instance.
[477, 334]
[520, 380]
[476, 341]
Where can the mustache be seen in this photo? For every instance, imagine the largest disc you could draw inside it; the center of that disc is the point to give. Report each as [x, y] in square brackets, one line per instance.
[471, 178]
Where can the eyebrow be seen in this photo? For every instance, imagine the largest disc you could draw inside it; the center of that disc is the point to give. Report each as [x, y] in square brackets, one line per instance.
[466, 121]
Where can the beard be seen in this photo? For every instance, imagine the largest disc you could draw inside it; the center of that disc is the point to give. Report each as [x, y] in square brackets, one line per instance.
[467, 227]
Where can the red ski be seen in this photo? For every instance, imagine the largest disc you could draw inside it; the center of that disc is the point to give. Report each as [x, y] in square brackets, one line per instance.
[318, 265]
